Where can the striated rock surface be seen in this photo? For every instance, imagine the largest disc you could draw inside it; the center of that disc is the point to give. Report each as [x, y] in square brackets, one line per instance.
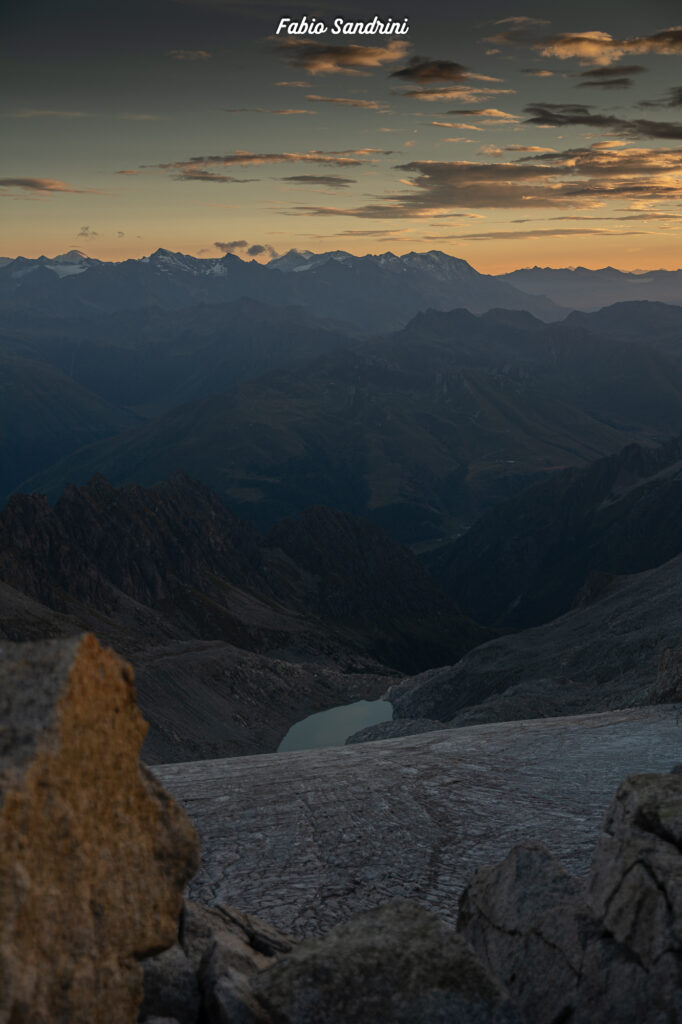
[94, 854]
[206, 975]
[399, 963]
[610, 949]
[667, 689]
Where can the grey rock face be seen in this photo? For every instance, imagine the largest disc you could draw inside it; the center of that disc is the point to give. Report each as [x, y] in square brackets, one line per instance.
[668, 686]
[398, 963]
[609, 951]
[398, 727]
[206, 975]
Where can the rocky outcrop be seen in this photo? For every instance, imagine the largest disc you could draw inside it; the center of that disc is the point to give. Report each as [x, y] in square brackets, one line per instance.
[667, 688]
[607, 950]
[208, 971]
[398, 963]
[94, 854]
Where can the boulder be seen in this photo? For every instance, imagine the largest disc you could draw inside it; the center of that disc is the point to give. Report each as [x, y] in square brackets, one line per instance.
[610, 949]
[94, 854]
[208, 972]
[399, 963]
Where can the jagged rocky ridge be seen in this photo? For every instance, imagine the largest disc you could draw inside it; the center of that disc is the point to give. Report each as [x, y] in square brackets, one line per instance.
[236, 635]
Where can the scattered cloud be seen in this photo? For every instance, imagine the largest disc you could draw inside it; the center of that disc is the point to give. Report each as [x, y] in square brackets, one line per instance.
[44, 185]
[538, 72]
[577, 178]
[529, 149]
[602, 48]
[360, 104]
[491, 150]
[323, 59]
[190, 54]
[86, 232]
[463, 93]
[50, 113]
[500, 236]
[492, 113]
[672, 99]
[203, 168]
[562, 115]
[610, 78]
[120, 234]
[294, 85]
[423, 70]
[264, 110]
[243, 247]
[521, 20]
[327, 180]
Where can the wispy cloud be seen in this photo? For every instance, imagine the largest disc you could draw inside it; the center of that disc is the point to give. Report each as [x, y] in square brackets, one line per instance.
[50, 185]
[326, 180]
[423, 70]
[202, 168]
[266, 110]
[49, 113]
[563, 115]
[324, 59]
[245, 248]
[360, 104]
[463, 93]
[190, 54]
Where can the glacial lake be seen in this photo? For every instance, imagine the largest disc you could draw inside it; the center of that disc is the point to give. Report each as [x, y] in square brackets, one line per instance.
[333, 727]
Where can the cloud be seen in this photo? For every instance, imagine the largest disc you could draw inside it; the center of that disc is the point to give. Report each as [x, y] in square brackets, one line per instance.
[489, 112]
[521, 20]
[538, 72]
[673, 99]
[44, 185]
[610, 78]
[485, 236]
[50, 113]
[421, 69]
[264, 110]
[322, 58]
[602, 48]
[190, 54]
[201, 168]
[242, 246]
[294, 85]
[577, 178]
[328, 180]
[491, 150]
[563, 115]
[529, 149]
[463, 93]
[85, 232]
[120, 234]
[361, 104]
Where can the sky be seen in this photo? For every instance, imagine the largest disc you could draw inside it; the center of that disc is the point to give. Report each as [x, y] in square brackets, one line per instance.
[507, 135]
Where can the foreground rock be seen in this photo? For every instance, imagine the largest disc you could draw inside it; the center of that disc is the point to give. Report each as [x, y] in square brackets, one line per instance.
[610, 950]
[207, 973]
[399, 963]
[93, 852]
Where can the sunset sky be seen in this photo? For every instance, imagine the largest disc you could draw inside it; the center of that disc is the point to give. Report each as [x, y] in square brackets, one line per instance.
[545, 134]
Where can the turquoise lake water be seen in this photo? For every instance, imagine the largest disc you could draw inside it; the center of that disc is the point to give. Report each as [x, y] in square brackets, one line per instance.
[333, 727]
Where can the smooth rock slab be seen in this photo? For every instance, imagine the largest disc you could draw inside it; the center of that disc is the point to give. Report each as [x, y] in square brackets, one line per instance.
[305, 839]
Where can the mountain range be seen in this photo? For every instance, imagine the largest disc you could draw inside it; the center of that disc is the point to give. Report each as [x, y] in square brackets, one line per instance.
[588, 290]
[371, 292]
[422, 430]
